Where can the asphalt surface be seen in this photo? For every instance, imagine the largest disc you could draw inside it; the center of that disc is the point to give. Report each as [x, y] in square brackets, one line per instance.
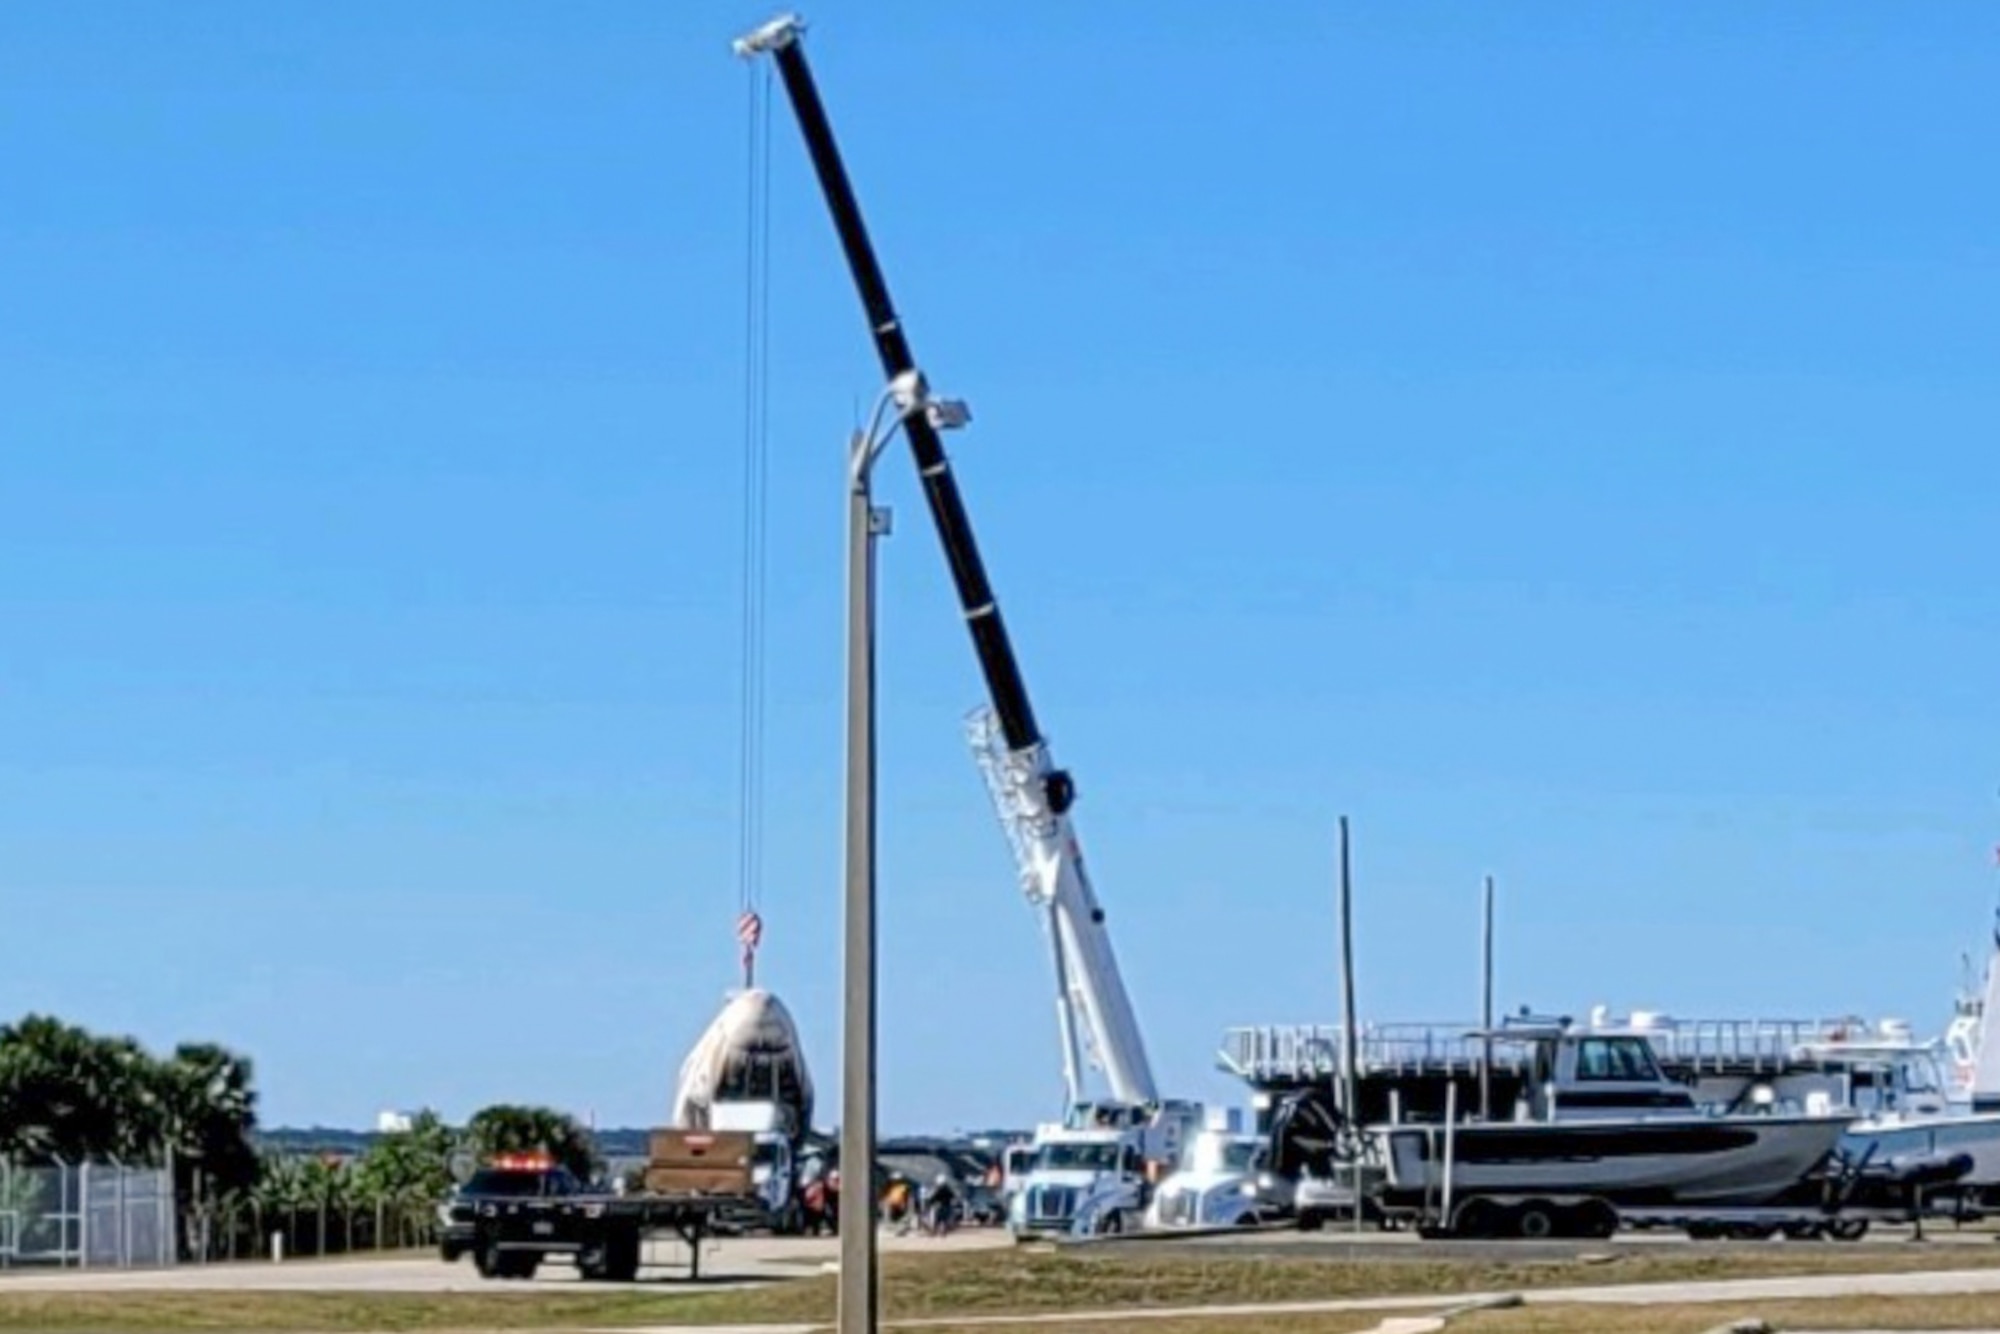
[724, 1261]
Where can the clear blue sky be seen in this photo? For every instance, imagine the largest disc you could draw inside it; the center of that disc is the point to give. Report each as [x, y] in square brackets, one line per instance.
[1560, 438]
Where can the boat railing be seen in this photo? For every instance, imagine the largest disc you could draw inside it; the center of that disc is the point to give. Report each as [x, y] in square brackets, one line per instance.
[1753, 1044]
[1314, 1051]
[1273, 1052]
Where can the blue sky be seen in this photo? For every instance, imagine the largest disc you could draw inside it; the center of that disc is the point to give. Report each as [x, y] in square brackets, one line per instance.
[1559, 438]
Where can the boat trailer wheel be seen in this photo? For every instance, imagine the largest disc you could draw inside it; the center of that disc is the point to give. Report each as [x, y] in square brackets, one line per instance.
[1477, 1217]
[1535, 1220]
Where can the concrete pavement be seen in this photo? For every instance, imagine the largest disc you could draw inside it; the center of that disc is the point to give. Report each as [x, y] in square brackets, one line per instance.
[724, 1261]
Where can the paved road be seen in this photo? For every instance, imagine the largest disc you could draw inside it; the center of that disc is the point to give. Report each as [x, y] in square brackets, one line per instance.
[727, 1261]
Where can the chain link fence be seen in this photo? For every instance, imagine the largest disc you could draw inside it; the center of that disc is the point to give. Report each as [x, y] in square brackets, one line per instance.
[103, 1215]
[242, 1230]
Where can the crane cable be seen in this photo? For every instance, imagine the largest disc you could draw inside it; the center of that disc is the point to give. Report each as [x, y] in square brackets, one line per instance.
[756, 431]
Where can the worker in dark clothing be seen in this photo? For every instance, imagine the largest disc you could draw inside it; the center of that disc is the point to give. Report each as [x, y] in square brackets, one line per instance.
[941, 1204]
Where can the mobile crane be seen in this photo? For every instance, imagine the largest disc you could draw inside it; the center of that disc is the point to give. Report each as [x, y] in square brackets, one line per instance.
[1032, 796]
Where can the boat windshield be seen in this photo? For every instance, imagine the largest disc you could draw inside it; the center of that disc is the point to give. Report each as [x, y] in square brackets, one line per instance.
[1923, 1076]
[1077, 1158]
[1622, 1059]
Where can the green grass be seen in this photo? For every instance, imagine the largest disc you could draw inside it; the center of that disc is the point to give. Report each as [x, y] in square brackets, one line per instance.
[977, 1283]
[1980, 1311]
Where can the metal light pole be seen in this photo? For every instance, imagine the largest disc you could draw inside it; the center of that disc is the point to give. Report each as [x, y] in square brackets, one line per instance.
[858, 1285]
[866, 523]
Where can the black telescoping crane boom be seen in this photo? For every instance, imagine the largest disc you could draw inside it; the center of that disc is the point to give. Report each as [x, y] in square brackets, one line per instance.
[968, 572]
[1032, 796]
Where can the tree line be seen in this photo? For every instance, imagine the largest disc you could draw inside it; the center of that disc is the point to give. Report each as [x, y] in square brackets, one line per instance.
[69, 1096]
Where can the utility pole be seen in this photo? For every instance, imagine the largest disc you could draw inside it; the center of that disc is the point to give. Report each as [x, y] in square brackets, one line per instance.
[1486, 1006]
[859, 1284]
[1350, 1038]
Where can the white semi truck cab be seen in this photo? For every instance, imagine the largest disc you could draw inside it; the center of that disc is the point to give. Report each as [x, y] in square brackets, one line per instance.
[1094, 1171]
[1215, 1184]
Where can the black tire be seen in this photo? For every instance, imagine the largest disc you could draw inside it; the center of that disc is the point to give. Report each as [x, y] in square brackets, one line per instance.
[1477, 1217]
[621, 1256]
[1536, 1220]
[488, 1259]
[1847, 1229]
[1311, 1220]
[1594, 1219]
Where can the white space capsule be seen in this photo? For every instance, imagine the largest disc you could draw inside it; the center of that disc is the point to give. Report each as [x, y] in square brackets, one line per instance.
[750, 1052]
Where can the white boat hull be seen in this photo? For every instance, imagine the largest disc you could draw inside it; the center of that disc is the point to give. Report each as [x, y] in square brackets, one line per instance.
[1697, 1160]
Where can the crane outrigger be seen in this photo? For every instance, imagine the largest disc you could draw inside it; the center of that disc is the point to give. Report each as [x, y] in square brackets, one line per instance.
[1032, 796]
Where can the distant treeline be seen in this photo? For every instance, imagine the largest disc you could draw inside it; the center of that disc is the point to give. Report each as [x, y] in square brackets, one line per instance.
[68, 1095]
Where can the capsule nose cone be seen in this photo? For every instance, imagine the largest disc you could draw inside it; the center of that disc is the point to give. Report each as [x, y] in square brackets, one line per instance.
[750, 1050]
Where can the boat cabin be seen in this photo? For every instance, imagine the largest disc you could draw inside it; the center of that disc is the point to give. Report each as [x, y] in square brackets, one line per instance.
[1581, 1074]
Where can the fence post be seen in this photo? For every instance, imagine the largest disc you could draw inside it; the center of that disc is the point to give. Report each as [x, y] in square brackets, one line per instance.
[124, 1215]
[82, 1217]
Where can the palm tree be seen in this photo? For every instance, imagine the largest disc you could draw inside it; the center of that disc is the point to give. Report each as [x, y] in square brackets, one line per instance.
[511, 1128]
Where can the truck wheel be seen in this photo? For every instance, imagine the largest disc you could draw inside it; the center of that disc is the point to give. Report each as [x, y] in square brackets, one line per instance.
[488, 1260]
[621, 1256]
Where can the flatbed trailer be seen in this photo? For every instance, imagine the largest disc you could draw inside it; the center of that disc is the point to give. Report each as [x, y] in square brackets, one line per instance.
[603, 1235]
[696, 1183]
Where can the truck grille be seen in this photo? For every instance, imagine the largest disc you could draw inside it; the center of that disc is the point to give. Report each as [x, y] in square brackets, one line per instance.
[1048, 1203]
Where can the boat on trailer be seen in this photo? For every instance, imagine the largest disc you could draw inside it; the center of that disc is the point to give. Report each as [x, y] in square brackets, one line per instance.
[1602, 1130]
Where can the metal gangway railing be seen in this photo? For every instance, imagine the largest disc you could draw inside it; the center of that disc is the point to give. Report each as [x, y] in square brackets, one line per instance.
[1315, 1051]
[1755, 1045]
[1298, 1052]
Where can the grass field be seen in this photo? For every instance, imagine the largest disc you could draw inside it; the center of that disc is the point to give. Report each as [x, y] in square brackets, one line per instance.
[1915, 1313]
[987, 1283]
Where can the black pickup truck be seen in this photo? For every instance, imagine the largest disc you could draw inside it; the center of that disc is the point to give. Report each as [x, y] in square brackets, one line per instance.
[499, 1189]
[510, 1215]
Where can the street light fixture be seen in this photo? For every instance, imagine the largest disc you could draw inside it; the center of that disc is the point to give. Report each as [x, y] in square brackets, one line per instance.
[866, 522]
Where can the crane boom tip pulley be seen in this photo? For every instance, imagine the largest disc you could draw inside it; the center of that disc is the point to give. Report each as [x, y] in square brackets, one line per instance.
[780, 32]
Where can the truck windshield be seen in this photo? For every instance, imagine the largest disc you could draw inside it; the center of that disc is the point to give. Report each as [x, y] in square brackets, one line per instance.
[503, 1182]
[1240, 1157]
[1078, 1158]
